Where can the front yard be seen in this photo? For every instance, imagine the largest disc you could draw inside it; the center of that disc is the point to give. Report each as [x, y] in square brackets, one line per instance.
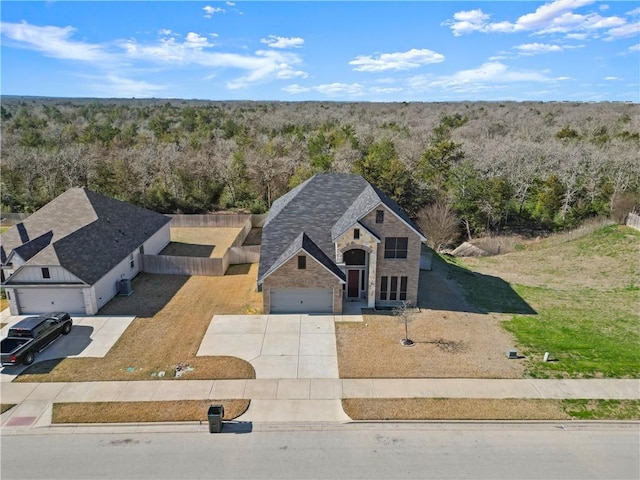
[173, 313]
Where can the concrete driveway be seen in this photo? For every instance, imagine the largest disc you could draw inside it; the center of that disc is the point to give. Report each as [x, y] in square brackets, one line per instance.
[91, 336]
[278, 346]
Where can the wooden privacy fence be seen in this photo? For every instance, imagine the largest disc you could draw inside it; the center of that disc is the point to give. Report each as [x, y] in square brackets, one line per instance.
[173, 265]
[216, 220]
[235, 254]
[248, 254]
[633, 221]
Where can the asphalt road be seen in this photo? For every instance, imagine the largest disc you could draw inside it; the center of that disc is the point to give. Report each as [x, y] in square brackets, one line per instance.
[332, 451]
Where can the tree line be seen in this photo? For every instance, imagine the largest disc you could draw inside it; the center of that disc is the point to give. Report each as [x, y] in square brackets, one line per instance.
[482, 167]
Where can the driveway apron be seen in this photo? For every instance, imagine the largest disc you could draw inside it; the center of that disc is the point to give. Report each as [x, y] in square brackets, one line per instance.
[278, 346]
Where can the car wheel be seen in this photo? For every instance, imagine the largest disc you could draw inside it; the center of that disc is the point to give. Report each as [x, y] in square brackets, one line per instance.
[66, 328]
[28, 359]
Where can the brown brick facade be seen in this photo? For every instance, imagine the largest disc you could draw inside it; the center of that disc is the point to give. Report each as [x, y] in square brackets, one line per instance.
[408, 267]
[313, 276]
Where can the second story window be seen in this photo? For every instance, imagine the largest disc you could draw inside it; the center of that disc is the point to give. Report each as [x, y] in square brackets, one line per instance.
[302, 262]
[45, 273]
[356, 233]
[379, 216]
[395, 247]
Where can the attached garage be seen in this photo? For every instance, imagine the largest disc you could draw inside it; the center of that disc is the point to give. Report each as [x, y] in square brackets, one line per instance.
[41, 300]
[301, 300]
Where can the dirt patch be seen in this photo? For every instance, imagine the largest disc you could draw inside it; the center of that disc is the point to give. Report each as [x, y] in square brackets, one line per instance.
[219, 237]
[454, 409]
[173, 314]
[128, 412]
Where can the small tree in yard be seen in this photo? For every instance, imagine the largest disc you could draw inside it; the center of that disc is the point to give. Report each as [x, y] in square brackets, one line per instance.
[405, 313]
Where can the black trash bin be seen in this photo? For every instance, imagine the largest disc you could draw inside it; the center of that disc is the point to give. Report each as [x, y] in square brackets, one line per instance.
[215, 414]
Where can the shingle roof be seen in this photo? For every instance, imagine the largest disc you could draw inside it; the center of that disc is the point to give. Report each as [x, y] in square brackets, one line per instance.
[88, 233]
[323, 205]
[303, 242]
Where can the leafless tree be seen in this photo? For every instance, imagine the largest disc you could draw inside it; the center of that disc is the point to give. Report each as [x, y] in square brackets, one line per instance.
[439, 224]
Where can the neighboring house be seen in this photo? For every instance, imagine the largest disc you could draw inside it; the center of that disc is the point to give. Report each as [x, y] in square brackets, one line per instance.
[337, 238]
[72, 254]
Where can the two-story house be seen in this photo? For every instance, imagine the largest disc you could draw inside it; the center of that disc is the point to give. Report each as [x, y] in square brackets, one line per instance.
[336, 238]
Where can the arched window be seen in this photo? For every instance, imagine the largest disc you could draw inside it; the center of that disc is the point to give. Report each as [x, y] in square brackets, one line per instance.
[354, 257]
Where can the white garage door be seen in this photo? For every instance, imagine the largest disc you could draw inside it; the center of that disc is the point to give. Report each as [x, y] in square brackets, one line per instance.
[42, 300]
[301, 300]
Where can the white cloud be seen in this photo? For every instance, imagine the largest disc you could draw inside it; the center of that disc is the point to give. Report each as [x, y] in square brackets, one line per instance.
[116, 86]
[194, 40]
[168, 51]
[577, 36]
[612, 78]
[628, 30]
[634, 12]
[635, 48]
[537, 48]
[210, 11]
[283, 42]
[604, 7]
[385, 90]
[413, 58]
[329, 89]
[165, 31]
[287, 73]
[551, 18]
[562, 79]
[490, 75]
[53, 42]
[295, 89]
[230, 4]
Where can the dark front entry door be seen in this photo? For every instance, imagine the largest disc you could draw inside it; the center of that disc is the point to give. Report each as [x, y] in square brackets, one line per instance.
[353, 280]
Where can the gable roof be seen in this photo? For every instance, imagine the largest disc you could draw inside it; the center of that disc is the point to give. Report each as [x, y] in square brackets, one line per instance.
[323, 207]
[303, 242]
[82, 231]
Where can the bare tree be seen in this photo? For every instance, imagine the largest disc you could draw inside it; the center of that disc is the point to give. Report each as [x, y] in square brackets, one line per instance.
[405, 313]
[439, 224]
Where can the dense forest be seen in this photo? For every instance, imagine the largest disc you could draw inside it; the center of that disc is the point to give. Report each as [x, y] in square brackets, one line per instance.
[470, 167]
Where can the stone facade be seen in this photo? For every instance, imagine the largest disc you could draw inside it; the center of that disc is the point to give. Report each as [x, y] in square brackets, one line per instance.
[314, 275]
[369, 244]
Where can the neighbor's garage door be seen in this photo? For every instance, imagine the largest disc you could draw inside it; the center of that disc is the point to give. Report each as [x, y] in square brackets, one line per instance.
[42, 300]
[301, 300]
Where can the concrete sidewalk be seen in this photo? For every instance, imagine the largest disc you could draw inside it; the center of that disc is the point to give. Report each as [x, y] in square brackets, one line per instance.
[303, 400]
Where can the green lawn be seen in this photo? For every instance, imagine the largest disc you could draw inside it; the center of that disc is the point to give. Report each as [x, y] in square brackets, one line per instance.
[589, 323]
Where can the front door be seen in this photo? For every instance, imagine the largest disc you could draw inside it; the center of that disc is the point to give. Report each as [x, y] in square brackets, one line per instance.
[353, 284]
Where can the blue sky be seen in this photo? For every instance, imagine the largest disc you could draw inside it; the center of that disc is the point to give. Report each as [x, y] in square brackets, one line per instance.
[578, 50]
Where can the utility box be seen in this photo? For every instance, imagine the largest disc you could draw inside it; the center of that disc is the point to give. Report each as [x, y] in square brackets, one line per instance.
[512, 354]
[124, 287]
[214, 415]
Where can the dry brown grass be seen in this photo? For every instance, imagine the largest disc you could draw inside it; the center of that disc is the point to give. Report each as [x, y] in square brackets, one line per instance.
[567, 261]
[220, 238]
[6, 406]
[173, 314]
[129, 412]
[447, 345]
[4, 303]
[453, 409]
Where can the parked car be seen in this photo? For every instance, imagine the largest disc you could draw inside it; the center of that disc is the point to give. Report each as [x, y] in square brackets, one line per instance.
[32, 335]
